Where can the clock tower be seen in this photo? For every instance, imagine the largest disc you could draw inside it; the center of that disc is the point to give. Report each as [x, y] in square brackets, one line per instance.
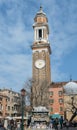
[41, 49]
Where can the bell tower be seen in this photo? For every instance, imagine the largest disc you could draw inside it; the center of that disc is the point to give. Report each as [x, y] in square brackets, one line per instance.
[41, 49]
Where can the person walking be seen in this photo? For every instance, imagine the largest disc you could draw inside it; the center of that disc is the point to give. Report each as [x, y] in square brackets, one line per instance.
[61, 122]
[51, 123]
[12, 124]
[56, 122]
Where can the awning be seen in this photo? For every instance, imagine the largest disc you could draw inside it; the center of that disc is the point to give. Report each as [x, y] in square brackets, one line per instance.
[19, 117]
[56, 116]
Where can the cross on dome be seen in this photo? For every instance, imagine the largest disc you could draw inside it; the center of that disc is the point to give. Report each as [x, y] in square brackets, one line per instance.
[40, 8]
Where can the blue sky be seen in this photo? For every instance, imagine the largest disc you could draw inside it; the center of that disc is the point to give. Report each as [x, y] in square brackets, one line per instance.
[16, 37]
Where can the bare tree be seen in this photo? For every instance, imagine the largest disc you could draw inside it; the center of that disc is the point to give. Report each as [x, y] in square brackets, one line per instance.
[74, 107]
[37, 94]
[28, 87]
[71, 105]
[40, 94]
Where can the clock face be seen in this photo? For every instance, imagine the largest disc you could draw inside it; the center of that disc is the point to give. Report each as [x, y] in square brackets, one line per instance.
[40, 63]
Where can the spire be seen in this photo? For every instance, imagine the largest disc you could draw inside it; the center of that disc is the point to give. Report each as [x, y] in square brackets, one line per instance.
[70, 77]
[41, 9]
[40, 12]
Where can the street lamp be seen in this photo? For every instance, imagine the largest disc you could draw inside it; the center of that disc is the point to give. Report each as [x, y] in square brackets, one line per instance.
[23, 93]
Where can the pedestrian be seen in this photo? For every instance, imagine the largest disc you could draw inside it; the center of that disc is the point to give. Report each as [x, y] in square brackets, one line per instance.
[19, 126]
[5, 123]
[51, 123]
[61, 122]
[56, 122]
[8, 126]
[12, 124]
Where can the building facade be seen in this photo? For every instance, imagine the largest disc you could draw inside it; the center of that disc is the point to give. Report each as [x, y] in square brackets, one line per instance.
[10, 103]
[56, 98]
[3, 105]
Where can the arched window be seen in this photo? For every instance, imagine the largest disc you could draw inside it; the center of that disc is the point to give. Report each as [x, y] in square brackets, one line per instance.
[40, 33]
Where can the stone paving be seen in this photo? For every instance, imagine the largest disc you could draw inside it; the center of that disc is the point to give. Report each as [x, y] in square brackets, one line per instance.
[70, 128]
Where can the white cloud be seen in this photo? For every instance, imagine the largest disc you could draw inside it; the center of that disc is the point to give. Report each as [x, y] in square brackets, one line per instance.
[15, 68]
[16, 36]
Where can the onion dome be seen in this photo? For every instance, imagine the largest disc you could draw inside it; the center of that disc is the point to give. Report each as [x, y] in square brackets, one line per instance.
[70, 88]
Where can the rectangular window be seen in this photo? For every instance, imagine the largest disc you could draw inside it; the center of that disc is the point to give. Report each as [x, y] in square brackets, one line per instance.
[51, 109]
[0, 98]
[61, 109]
[51, 93]
[60, 93]
[51, 101]
[40, 33]
[0, 107]
[60, 100]
[12, 108]
[8, 107]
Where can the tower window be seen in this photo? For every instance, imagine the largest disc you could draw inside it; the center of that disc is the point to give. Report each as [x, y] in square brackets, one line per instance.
[40, 33]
